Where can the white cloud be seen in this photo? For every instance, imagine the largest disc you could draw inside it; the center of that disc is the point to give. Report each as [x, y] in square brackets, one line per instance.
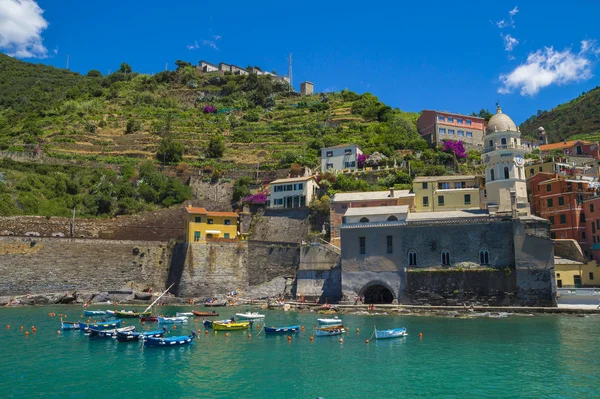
[547, 67]
[193, 46]
[509, 42]
[209, 43]
[21, 27]
[511, 22]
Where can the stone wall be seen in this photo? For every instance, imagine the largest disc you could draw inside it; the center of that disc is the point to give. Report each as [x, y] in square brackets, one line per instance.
[43, 265]
[460, 287]
[290, 226]
[212, 196]
[214, 269]
[319, 273]
[268, 260]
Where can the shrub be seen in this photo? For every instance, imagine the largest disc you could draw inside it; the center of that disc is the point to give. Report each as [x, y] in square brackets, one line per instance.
[132, 126]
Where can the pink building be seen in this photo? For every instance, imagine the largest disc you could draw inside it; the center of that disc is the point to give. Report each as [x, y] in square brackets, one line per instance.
[437, 126]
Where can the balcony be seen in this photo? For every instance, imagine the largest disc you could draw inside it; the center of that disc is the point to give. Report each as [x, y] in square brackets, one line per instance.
[505, 147]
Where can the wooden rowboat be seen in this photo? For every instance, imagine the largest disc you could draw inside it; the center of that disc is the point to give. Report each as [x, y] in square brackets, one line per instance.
[219, 326]
[328, 331]
[205, 314]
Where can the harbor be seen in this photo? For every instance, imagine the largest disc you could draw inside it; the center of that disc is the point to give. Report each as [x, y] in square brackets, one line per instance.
[505, 357]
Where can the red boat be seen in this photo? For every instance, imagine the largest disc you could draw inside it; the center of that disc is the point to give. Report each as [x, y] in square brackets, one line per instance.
[205, 314]
[149, 319]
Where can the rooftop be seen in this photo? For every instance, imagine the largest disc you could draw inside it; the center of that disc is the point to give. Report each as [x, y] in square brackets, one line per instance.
[293, 179]
[562, 144]
[424, 216]
[562, 261]
[420, 179]
[377, 210]
[371, 195]
[453, 113]
[203, 211]
[340, 146]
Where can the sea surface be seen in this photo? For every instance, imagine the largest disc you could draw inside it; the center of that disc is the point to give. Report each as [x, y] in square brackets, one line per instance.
[548, 356]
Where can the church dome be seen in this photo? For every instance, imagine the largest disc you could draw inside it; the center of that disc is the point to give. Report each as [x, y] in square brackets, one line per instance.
[500, 123]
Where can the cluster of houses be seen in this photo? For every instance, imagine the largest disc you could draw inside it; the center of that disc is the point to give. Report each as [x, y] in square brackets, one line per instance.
[390, 232]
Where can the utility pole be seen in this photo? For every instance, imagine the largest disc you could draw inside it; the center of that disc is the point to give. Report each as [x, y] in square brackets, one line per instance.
[257, 165]
[290, 71]
[73, 224]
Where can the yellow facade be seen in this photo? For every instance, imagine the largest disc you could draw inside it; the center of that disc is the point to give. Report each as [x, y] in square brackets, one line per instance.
[201, 224]
[448, 193]
[532, 170]
[573, 274]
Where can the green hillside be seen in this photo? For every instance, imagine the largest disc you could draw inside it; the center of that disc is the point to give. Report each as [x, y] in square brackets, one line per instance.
[579, 118]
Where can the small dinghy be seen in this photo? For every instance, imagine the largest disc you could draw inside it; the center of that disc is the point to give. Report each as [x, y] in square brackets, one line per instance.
[282, 330]
[69, 325]
[132, 336]
[149, 319]
[328, 331]
[131, 313]
[172, 320]
[209, 323]
[170, 341]
[230, 326]
[94, 312]
[205, 314]
[250, 316]
[330, 321]
[390, 333]
[185, 314]
[99, 334]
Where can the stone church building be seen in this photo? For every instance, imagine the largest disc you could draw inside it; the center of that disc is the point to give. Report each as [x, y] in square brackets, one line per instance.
[501, 256]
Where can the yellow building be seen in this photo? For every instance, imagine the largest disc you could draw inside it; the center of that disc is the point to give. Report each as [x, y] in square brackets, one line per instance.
[548, 167]
[573, 274]
[201, 224]
[448, 193]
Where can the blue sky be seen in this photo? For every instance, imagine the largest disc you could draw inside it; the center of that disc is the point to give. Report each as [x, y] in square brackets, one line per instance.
[454, 56]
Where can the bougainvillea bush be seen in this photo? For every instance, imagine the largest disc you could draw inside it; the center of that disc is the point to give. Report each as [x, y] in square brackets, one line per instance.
[455, 147]
[209, 109]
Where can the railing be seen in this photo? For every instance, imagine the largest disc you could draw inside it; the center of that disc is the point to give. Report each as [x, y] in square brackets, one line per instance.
[504, 147]
[221, 239]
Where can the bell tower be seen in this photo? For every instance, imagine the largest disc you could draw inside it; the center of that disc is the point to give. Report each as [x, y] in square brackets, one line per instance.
[504, 160]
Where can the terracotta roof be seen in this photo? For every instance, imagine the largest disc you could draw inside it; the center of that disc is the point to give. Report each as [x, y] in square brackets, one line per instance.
[562, 144]
[190, 209]
[231, 214]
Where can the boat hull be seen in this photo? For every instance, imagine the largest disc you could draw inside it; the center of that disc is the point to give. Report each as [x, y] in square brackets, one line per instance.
[215, 304]
[104, 325]
[172, 320]
[329, 331]
[131, 315]
[332, 321]
[205, 314]
[133, 336]
[94, 312]
[69, 325]
[217, 326]
[112, 333]
[390, 333]
[250, 316]
[149, 319]
[282, 330]
[169, 341]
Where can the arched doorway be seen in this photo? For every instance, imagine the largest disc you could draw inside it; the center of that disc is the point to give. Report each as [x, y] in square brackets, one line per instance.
[378, 294]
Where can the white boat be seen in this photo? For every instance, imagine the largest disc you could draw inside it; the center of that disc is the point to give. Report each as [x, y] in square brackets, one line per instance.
[94, 312]
[328, 331]
[390, 333]
[331, 321]
[250, 316]
[110, 312]
[172, 320]
[186, 314]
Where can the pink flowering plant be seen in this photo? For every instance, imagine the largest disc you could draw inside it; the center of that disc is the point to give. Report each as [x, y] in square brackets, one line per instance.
[209, 109]
[361, 159]
[455, 148]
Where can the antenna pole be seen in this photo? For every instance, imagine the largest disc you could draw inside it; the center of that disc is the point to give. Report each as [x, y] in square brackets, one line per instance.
[290, 71]
[67, 61]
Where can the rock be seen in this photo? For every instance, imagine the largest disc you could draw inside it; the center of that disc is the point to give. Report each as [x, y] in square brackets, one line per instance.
[101, 297]
[122, 297]
[144, 296]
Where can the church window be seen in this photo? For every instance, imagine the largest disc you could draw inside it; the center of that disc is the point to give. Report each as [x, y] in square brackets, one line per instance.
[561, 200]
[491, 174]
[503, 141]
[484, 257]
[563, 219]
[364, 220]
[506, 173]
[446, 258]
[412, 258]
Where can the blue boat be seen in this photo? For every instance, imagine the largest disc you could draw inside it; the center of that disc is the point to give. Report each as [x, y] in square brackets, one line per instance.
[69, 325]
[171, 341]
[390, 333]
[132, 336]
[94, 312]
[282, 330]
[101, 325]
[112, 333]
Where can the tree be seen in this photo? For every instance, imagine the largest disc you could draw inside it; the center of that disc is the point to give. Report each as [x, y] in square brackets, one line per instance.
[94, 73]
[216, 147]
[125, 68]
[182, 64]
[483, 113]
[170, 151]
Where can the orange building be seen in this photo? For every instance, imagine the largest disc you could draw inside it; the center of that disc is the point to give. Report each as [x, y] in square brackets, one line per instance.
[574, 148]
[560, 200]
[437, 126]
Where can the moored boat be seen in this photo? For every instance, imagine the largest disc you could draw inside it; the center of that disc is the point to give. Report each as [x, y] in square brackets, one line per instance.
[282, 330]
[330, 321]
[112, 333]
[149, 319]
[170, 341]
[101, 325]
[69, 325]
[328, 331]
[131, 313]
[230, 326]
[250, 316]
[94, 312]
[186, 314]
[172, 320]
[205, 314]
[390, 333]
[131, 336]
[209, 323]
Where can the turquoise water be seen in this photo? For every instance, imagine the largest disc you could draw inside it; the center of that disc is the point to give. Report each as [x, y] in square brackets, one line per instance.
[514, 357]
